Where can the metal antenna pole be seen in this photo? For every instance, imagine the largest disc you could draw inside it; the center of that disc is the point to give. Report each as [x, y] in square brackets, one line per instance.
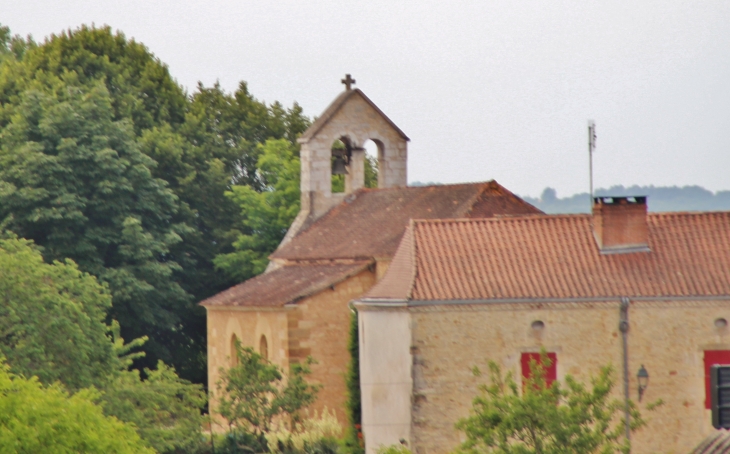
[591, 146]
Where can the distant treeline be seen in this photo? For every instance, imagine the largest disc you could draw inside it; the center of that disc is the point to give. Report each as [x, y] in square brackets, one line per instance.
[660, 198]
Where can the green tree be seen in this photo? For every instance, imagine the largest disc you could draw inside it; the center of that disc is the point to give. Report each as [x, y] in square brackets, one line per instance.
[201, 146]
[74, 181]
[34, 418]
[353, 435]
[140, 86]
[266, 214]
[255, 392]
[165, 409]
[543, 419]
[52, 319]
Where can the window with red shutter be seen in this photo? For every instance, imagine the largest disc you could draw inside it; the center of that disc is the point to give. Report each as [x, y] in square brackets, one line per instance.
[551, 372]
[713, 357]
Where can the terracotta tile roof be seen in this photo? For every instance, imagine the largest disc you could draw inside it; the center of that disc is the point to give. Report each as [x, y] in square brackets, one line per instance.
[556, 257]
[371, 222]
[285, 285]
[335, 106]
[716, 443]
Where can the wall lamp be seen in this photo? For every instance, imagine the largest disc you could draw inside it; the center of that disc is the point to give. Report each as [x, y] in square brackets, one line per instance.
[643, 378]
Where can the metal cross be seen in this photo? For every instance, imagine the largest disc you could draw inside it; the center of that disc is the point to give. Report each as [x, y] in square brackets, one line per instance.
[348, 81]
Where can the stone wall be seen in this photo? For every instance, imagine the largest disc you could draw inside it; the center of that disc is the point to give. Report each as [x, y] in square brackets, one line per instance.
[669, 338]
[319, 326]
[248, 326]
[358, 121]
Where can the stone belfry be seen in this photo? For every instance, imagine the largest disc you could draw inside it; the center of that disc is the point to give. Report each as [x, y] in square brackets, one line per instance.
[353, 119]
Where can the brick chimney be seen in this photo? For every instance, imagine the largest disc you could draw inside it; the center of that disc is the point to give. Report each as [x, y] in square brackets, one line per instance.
[619, 224]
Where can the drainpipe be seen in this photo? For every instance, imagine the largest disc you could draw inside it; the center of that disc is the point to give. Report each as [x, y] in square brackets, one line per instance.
[623, 326]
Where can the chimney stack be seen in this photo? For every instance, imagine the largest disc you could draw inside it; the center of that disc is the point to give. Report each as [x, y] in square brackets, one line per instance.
[619, 224]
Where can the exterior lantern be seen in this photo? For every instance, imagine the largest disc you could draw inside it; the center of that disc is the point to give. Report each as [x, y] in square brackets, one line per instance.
[643, 378]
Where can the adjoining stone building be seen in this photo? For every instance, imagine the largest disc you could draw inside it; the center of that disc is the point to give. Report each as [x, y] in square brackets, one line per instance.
[337, 248]
[461, 292]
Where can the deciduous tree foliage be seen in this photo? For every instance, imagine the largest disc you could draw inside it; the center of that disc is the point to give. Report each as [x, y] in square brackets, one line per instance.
[254, 392]
[52, 319]
[266, 214]
[73, 180]
[89, 108]
[537, 419]
[34, 418]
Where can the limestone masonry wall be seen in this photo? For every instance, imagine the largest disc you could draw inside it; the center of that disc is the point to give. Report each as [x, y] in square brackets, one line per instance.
[319, 326]
[669, 338]
[248, 326]
[357, 120]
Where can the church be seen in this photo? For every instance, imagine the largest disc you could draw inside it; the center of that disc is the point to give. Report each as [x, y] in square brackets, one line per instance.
[338, 247]
[448, 277]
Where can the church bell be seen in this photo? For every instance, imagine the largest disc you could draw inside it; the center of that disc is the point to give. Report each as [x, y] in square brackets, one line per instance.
[338, 166]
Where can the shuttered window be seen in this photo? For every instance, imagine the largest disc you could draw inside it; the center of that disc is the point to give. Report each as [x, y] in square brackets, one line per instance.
[713, 357]
[551, 372]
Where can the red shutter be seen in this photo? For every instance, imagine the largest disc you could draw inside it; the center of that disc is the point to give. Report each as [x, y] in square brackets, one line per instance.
[551, 373]
[713, 357]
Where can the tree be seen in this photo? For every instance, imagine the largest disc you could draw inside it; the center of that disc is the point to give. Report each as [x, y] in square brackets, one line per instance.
[52, 319]
[165, 409]
[267, 214]
[253, 393]
[353, 435]
[543, 420]
[201, 147]
[74, 181]
[52, 324]
[140, 86]
[34, 418]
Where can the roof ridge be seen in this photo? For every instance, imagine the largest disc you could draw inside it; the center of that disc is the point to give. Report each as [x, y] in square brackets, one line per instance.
[501, 217]
[688, 213]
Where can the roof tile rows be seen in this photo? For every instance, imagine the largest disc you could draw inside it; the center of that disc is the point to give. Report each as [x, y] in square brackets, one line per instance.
[371, 222]
[368, 225]
[284, 285]
[556, 257]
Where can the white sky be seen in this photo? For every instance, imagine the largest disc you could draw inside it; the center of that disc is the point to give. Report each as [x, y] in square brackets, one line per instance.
[484, 89]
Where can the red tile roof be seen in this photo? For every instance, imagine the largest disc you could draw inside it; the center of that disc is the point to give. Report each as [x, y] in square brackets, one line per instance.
[556, 257]
[285, 285]
[371, 222]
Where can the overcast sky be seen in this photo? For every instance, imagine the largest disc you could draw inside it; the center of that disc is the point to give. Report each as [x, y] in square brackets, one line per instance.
[485, 90]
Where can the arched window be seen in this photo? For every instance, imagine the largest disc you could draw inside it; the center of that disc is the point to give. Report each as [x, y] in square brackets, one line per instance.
[264, 347]
[340, 161]
[234, 351]
[373, 158]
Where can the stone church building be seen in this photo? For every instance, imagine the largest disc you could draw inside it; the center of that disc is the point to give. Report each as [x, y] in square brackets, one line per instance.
[338, 247]
[640, 291]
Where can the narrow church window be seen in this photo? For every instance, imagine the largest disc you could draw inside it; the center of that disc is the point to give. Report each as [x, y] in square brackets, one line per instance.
[234, 351]
[551, 372]
[264, 347]
[713, 357]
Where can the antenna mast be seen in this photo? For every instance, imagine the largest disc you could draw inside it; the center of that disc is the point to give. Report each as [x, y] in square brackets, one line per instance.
[591, 147]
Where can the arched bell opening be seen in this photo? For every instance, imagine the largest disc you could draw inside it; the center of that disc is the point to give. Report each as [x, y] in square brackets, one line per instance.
[341, 154]
[373, 162]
